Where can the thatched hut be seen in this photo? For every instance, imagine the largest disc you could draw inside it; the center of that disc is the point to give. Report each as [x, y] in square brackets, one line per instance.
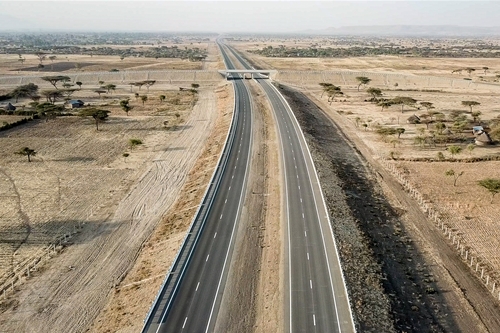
[483, 139]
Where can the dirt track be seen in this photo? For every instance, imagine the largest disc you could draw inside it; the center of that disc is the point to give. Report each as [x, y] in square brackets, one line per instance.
[69, 295]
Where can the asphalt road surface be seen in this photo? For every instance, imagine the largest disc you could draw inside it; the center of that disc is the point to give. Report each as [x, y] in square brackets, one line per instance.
[196, 301]
[316, 295]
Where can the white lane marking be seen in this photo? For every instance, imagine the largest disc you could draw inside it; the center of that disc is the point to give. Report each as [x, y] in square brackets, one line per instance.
[307, 255]
[300, 199]
[229, 188]
[197, 286]
[232, 177]
[225, 201]
[183, 325]
[207, 258]
[311, 284]
[297, 176]
[299, 187]
[314, 320]
[220, 218]
[215, 235]
[303, 217]
[305, 233]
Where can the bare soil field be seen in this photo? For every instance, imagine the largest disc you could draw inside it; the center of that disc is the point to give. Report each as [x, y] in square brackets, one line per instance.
[130, 301]
[79, 181]
[383, 63]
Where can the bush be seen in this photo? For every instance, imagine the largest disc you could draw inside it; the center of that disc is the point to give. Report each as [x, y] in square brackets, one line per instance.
[7, 126]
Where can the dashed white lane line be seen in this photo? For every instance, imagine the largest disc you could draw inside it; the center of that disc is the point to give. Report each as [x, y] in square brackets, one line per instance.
[311, 284]
[225, 201]
[307, 255]
[207, 257]
[305, 233]
[185, 320]
[220, 218]
[303, 217]
[215, 235]
[314, 320]
[197, 286]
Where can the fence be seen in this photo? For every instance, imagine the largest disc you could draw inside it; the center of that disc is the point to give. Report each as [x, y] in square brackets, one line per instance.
[485, 273]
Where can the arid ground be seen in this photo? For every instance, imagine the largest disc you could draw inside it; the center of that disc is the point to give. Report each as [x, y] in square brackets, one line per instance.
[83, 195]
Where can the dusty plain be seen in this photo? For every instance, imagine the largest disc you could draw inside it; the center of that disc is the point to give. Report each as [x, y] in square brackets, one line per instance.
[81, 185]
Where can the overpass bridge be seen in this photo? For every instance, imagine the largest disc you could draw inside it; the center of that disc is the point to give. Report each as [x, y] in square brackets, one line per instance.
[264, 73]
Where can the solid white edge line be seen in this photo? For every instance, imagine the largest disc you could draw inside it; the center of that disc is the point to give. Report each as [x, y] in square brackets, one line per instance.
[294, 119]
[243, 190]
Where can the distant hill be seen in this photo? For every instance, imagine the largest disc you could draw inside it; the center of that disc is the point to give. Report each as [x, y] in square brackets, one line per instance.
[409, 30]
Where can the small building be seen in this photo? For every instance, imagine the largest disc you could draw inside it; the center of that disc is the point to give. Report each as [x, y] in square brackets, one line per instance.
[483, 139]
[477, 130]
[75, 104]
[10, 107]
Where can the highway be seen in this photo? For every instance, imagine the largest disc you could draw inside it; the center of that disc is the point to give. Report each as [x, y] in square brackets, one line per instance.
[195, 300]
[316, 296]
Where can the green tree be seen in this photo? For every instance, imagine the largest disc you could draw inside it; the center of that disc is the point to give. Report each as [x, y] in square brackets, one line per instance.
[492, 185]
[428, 106]
[125, 155]
[124, 104]
[385, 104]
[144, 98]
[401, 100]
[375, 92]
[471, 147]
[470, 104]
[363, 80]
[325, 86]
[452, 173]
[79, 84]
[98, 115]
[400, 130]
[54, 80]
[195, 85]
[26, 90]
[110, 87]
[52, 58]
[332, 92]
[470, 70]
[454, 150]
[485, 69]
[149, 83]
[162, 98]
[52, 95]
[41, 56]
[26, 152]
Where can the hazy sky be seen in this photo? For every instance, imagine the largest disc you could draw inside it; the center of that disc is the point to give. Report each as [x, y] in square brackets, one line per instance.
[248, 16]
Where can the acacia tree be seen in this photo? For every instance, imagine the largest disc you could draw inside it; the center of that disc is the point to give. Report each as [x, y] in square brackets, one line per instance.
[149, 83]
[162, 98]
[385, 104]
[54, 80]
[325, 87]
[125, 106]
[492, 185]
[109, 87]
[375, 92]
[401, 100]
[400, 130]
[427, 105]
[453, 174]
[485, 69]
[79, 84]
[470, 104]
[100, 91]
[41, 56]
[25, 151]
[52, 95]
[144, 98]
[26, 90]
[470, 70]
[332, 92]
[98, 115]
[363, 80]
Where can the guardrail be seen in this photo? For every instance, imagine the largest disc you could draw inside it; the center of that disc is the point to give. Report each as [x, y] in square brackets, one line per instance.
[177, 269]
